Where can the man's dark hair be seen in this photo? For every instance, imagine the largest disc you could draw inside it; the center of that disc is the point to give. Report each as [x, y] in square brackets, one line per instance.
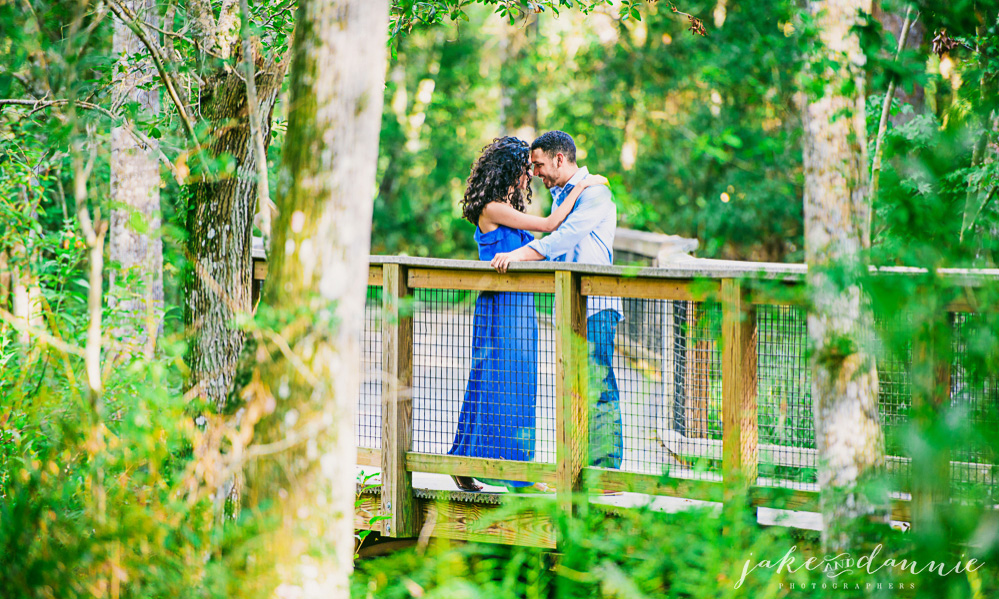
[553, 142]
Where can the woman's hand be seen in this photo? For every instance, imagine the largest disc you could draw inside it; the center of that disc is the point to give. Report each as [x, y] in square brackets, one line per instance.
[592, 180]
[501, 262]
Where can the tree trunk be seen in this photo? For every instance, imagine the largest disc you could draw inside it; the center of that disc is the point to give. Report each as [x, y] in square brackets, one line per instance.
[219, 227]
[318, 280]
[844, 378]
[135, 242]
[4, 284]
[25, 288]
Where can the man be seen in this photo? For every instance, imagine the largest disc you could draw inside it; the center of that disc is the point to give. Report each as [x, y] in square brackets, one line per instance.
[585, 236]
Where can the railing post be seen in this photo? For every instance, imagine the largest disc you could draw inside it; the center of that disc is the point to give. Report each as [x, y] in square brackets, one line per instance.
[931, 359]
[697, 385]
[571, 402]
[397, 406]
[739, 410]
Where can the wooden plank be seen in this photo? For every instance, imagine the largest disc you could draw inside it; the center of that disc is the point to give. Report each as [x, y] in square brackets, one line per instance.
[930, 378]
[375, 276]
[467, 521]
[367, 456]
[480, 467]
[972, 300]
[805, 457]
[649, 484]
[571, 381]
[650, 288]
[533, 527]
[480, 522]
[481, 280]
[739, 410]
[366, 508]
[260, 269]
[784, 498]
[901, 510]
[397, 407]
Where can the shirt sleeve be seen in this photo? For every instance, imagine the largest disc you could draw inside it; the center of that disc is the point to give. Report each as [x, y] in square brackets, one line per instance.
[594, 205]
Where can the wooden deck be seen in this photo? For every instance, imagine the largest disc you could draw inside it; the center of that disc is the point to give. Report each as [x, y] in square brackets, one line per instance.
[407, 439]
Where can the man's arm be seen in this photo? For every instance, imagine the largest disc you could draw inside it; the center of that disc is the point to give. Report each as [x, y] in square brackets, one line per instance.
[592, 208]
[501, 262]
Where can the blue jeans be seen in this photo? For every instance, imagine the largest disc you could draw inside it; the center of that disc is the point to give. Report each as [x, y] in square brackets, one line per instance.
[606, 430]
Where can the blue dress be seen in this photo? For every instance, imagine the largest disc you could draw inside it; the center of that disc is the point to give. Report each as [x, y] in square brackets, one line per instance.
[497, 418]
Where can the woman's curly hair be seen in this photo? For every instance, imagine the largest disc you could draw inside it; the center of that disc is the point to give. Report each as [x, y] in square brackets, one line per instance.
[495, 176]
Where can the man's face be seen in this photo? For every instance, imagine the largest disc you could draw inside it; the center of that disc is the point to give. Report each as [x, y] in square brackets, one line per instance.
[547, 168]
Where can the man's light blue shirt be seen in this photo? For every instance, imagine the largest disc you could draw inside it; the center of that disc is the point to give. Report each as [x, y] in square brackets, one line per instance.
[586, 236]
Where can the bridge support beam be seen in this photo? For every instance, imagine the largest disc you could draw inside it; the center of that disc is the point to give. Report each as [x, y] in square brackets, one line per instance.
[571, 381]
[739, 407]
[397, 500]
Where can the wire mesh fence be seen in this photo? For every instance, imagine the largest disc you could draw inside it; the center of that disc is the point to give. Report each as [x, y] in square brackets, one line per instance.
[667, 365]
[787, 449]
[369, 404]
[892, 345]
[484, 386]
[974, 400]
[483, 375]
[786, 422]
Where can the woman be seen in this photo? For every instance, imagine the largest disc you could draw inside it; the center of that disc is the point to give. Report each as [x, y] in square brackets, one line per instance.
[497, 418]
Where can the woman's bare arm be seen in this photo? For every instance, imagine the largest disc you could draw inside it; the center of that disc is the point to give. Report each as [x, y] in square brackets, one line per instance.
[502, 213]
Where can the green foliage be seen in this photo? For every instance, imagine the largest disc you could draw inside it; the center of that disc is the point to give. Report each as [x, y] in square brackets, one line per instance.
[646, 553]
[934, 205]
[699, 136]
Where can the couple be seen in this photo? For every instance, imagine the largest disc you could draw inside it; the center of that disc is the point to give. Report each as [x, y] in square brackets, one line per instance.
[497, 418]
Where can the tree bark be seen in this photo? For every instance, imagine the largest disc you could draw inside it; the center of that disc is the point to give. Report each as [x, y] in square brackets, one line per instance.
[844, 378]
[135, 242]
[318, 281]
[219, 227]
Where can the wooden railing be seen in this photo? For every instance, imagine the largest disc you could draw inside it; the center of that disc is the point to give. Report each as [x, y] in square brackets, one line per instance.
[739, 288]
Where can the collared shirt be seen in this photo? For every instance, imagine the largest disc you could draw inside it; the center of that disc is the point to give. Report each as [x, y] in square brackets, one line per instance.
[586, 236]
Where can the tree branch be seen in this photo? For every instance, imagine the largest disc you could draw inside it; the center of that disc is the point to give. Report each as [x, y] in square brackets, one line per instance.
[265, 207]
[137, 135]
[883, 126]
[20, 325]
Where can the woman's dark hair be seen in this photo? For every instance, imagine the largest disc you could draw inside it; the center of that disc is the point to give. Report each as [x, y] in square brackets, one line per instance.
[495, 176]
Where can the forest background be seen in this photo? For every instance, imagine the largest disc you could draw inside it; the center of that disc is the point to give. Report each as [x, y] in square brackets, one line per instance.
[105, 488]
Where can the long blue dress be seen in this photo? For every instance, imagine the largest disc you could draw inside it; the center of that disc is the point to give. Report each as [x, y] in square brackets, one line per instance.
[497, 418]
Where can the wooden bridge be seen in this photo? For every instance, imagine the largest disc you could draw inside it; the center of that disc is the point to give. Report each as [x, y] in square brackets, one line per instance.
[715, 392]
[715, 400]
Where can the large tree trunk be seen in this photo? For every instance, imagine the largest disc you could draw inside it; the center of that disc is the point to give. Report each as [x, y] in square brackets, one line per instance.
[318, 280]
[844, 378]
[219, 229]
[135, 242]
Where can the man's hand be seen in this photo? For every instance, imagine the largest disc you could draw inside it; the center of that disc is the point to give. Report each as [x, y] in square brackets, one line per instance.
[501, 262]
